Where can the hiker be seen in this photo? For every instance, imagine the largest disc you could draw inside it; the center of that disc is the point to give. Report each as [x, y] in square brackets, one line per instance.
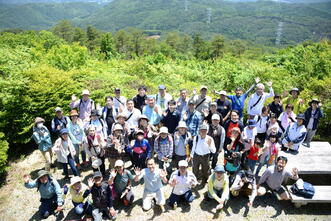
[132, 114]
[76, 134]
[65, 152]
[238, 100]
[203, 146]
[192, 118]
[201, 101]
[140, 150]
[253, 154]
[218, 187]
[234, 121]
[59, 122]
[152, 110]
[182, 143]
[109, 113]
[249, 133]
[287, 117]
[312, 117]
[50, 192]
[182, 101]
[209, 113]
[162, 98]
[121, 180]
[273, 125]
[102, 198]
[257, 100]
[121, 120]
[244, 183]
[233, 150]
[140, 99]
[276, 106]
[273, 178]
[223, 105]
[84, 105]
[116, 145]
[295, 134]
[94, 146]
[119, 101]
[262, 124]
[171, 117]
[269, 152]
[217, 132]
[150, 132]
[163, 147]
[294, 100]
[79, 193]
[153, 189]
[98, 123]
[182, 180]
[42, 138]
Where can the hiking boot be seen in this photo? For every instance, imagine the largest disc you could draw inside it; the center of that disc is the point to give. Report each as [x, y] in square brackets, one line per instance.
[161, 208]
[131, 199]
[46, 215]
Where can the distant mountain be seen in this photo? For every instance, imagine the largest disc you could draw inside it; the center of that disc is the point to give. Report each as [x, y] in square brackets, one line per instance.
[266, 22]
[51, 1]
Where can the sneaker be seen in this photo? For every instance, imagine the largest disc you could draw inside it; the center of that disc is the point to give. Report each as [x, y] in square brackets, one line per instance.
[46, 215]
[175, 206]
[131, 199]
[161, 208]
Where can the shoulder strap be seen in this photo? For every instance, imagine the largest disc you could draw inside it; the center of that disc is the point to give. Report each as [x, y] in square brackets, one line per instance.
[256, 102]
[196, 139]
[119, 100]
[129, 116]
[203, 100]
[101, 122]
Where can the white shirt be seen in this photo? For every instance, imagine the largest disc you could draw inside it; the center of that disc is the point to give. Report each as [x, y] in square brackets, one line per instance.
[256, 110]
[117, 102]
[249, 134]
[163, 101]
[133, 121]
[184, 183]
[202, 147]
[261, 123]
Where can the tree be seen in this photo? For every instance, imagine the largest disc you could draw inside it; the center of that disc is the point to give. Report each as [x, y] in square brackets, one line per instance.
[200, 47]
[64, 29]
[137, 38]
[217, 45]
[93, 37]
[80, 36]
[107, 45]
[238, 47]
[121, 41]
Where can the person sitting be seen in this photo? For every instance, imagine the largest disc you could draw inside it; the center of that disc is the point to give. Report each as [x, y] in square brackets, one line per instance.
[79, 193]
[273, 178]
[163, 147]
[233, 150]
[182, 143]
[244, 183]
[121, 179]
[312, 117]
[50, 192]
[218, 187]
[153, 188]
[295, 134]
[42, 138]
[171, 117]
[182, 180]
[65, 152]
[140, 150]
[102, 198]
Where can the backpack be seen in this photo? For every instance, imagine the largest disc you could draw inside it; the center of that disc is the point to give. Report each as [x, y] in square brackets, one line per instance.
[303, 189]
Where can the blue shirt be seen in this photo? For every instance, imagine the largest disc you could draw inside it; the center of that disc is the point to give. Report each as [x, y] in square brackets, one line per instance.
[154, 117]
[153, 182]
[238, 103]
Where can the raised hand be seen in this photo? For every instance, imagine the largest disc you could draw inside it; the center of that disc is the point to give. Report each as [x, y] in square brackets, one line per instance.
[163, 173]
[194, 92]
[269, 84]
[295, 171]
[156, 109]
[113, 173]
[220, 206]
[257, 80]
[26, 178]
[137, 171]
[90, 182]
[73, 97]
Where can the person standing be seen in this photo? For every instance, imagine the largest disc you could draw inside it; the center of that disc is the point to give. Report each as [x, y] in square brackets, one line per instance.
[312, 116]
[162, 98]
[182, 101]
[84, 105]
[42, 138]
[192, 119]
[223, 105]
[171, 117]
[153, 111]
[276, 106]
[119, 101]
[217, 132]
[257, 100]
[182, 143]
[201, 101]
[59, 122]
[132, 114]
[140, 99]
[109, 113]
[294, 100]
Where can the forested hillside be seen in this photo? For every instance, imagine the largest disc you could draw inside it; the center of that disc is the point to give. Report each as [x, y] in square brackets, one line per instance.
[263, 22]
[39, 71]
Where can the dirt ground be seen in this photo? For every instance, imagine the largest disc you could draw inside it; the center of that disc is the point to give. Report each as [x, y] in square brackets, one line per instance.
[19, 203]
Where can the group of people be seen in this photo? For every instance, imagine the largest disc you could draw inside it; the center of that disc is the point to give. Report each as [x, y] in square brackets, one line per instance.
[157, 138]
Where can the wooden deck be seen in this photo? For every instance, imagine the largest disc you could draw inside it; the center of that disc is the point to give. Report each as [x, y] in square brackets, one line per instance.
[322, 195]
[313, 160]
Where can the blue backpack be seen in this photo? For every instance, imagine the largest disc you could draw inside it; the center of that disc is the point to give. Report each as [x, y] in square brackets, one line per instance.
[307, 191]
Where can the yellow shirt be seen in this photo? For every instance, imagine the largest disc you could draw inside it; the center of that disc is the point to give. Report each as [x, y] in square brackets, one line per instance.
[77, 197]
[298, 107]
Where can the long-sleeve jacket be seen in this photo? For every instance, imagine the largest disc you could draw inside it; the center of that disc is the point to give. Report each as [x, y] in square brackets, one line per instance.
[102, 196]
[76, 132]
[225, 187]
[295, 133]
[42, 137]
[256, 102]
[164, 147]
[62, 152]
[47, 190]
[97, 147]
[316, 116]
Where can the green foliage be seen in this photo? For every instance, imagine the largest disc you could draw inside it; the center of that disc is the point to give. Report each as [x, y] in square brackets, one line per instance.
[3, 153]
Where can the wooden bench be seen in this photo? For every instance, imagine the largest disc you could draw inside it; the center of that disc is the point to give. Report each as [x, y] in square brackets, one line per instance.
[322, 195]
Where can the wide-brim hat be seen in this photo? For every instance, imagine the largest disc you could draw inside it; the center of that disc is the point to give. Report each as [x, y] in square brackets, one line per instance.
[203, 87]
[97, 174]
[118, 127]
[85, 92]
[42, 173]
[314, 100]
[75, 179]
[219, 169]
[73, 113]
[58, 109]
[295, 89]
[182, 124]
[39, 120]
[163, 130]
[120, 115]
[182, 163]
[96, 163]
[143, 117]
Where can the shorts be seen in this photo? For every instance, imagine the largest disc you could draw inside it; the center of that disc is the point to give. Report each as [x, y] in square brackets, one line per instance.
[279, 191]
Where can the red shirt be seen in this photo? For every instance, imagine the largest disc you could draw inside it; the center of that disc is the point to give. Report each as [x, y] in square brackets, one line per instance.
[231, 125]
[253, 153]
